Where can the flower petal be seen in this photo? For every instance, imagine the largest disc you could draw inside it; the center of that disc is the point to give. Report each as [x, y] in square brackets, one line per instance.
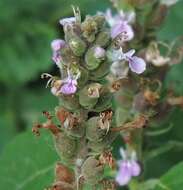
[124, 174]
[69, 20]
[57, 44]
[130, 53]
[68, 89]
[137, 64]
[124, 30]
[135, 168]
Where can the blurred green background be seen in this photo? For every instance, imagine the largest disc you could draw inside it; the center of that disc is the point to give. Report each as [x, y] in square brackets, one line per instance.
[26, 29]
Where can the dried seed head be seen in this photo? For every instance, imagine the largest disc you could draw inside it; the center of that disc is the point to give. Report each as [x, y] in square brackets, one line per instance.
[106, 158]
[64, 174]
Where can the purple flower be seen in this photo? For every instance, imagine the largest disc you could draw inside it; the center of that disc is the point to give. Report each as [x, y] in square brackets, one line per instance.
[56, 46]
[122, 30]
[136, 64]
[99, 52]
[120, 26]
[128, 168]
[129, 17]
[66, 21]
[69, 84]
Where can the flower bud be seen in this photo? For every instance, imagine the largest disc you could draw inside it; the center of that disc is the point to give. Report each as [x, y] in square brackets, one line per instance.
[71, 103]
[91, 26]
[99, 147]
[92, 59]
[68, 56]
[66, 147]
[92, 171]
[100, 20]
[100, 72]
[57, 44]
[99, 52]
[103, 38]
[89, 95]
[93, 130]
[104, 101]
[83, 77]
[77, 45]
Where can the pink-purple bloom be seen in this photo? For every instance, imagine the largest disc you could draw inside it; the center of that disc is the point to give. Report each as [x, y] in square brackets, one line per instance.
[99, 52]
[56, 46]
[120, 25]
[136, 64]
[66, 21]
[128, 167]
[122, 30]
[69, 84]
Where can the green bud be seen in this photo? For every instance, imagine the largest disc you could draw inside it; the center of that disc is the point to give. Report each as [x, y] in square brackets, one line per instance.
[100, 72]
[99, 147]
[83, 77]
[104, 102]
[93, 130]
[89, 28]
[89, 95]
[100, 21]
[92, 61]
[66, 147]
[103, 38]
[76, 131]
[71, 103]
[68, 56]
[77, 45]
[92, 171]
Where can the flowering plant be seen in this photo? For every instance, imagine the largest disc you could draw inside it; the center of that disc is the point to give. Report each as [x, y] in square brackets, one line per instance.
[110, 87]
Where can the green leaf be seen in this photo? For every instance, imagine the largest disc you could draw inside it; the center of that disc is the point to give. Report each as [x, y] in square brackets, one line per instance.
[28, 162]
[176, 145]
[173, 179]
[170, 30]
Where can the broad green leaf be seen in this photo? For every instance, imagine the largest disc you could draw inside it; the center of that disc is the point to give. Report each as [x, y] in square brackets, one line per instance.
[28, 162]
[172, 26]
[173, 179]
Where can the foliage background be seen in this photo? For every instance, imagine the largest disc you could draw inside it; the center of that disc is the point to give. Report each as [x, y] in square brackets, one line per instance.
[26, 30]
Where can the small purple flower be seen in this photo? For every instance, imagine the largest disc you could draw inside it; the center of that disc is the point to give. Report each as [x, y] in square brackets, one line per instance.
[120, 26]
[56, 46]
[129, 17]
[69, 85]
[128, 168]
[136, 64]
[99, 52]
[122, 30]
[66, 21]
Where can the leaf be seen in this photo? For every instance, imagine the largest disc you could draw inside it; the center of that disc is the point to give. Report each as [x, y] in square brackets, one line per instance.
[28, 162]
[176, 145]
[173, 179]
[159, 131]
[170, 30]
